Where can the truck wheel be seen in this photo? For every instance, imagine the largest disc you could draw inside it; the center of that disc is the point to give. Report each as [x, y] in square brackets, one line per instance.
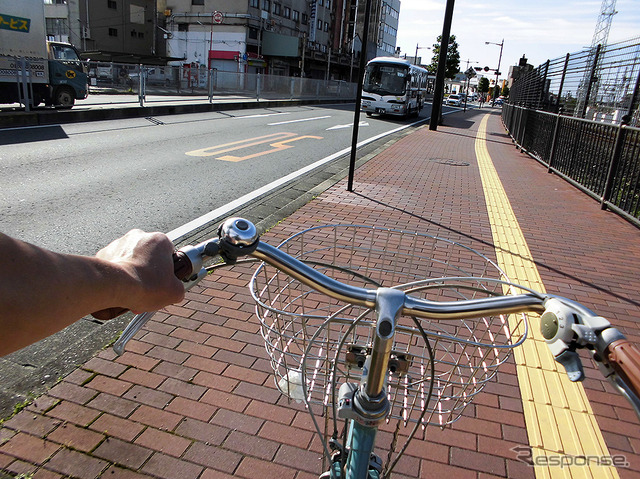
[63, 97]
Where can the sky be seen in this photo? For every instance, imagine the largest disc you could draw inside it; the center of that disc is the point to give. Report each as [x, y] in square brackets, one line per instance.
[541, 30]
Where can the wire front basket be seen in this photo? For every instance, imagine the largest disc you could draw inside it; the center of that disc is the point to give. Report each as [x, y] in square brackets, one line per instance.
[437, 367]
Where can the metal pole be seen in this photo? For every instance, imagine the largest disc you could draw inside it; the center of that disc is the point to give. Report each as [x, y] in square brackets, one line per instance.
[592, 78]
[634, 97]
[493, 97]
[544, 89]
[613, 164]
[554, 140]
[356, 113]
[438, 94]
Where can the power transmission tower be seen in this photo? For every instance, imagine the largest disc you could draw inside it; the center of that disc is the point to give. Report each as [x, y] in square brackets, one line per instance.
[599, 41]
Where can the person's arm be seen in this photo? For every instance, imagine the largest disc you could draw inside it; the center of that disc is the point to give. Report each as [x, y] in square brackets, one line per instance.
[42, 292]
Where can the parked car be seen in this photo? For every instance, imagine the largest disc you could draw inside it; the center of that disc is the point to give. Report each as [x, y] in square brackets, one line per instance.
[455, 100]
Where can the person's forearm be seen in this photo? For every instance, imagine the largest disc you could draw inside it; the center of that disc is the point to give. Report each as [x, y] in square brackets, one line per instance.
[42, 292]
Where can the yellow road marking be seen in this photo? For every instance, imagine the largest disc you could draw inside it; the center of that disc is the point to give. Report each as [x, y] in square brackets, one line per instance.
[558, 416]
[238, 145]
[278, 146]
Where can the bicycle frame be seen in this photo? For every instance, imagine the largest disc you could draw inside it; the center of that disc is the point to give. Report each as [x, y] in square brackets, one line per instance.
[367, 405]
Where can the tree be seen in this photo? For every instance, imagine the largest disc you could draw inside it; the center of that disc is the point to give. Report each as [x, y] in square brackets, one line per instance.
[483, 85]
[453, 57]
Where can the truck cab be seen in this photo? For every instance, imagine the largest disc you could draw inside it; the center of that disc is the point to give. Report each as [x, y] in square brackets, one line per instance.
[67, 75]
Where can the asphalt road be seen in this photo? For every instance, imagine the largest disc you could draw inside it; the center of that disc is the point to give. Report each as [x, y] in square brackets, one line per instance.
[75, 187]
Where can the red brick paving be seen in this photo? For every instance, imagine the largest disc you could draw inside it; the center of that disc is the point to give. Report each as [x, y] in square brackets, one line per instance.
[193, 396]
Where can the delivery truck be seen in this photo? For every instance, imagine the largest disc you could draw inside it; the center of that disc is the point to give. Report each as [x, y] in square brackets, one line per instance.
[32, 69]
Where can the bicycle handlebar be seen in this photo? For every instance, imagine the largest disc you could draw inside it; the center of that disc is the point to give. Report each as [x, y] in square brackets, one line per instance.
[566, 325]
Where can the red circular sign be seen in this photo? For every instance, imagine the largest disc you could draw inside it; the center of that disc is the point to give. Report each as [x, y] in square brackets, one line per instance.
[218, 17]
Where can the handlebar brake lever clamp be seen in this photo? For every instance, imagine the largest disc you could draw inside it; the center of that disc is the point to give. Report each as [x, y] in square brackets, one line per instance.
[565, 329]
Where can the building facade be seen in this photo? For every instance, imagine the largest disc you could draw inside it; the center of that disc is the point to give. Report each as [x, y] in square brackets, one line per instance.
[310, 38]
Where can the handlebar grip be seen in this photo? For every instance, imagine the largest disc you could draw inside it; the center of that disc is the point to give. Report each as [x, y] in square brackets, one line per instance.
[182, 268]
[624, 358]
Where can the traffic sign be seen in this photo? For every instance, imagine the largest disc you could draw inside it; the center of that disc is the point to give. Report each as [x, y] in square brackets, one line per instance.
[217, 17]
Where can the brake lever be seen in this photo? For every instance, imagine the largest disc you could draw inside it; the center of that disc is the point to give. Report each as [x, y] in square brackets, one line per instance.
[139, 320]
[236, 237]
[185, 261]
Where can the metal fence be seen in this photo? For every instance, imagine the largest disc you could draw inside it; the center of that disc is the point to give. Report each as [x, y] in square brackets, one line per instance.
[188, 81]
[600, 84]
[578, 115]
[185, 80]
[602, 159]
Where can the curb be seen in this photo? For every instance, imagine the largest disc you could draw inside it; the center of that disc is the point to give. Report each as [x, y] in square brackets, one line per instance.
[52, 117]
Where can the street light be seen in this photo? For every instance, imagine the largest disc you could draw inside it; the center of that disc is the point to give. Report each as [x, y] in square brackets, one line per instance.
[415, 61]
[501, 45]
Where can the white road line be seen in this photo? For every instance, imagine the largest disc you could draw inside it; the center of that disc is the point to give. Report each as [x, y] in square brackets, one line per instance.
[298, 121]
[260, 115]
[350, 125]
[187, 228]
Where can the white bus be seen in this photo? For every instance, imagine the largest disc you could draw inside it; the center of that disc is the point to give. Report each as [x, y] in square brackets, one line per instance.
[393, 86]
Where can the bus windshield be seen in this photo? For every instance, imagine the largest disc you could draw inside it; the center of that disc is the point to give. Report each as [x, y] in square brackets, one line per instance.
[385, 79]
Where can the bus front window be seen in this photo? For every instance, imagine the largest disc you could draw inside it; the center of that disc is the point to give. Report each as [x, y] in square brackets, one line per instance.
[385, 79]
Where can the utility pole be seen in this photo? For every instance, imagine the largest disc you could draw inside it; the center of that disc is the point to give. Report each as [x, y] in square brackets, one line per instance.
[501, 45]
[356, 114]
[438, 93]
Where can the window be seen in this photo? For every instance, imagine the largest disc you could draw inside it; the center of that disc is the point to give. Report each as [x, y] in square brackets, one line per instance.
[320, 25]
[254, 3]
[320, 2]
[277, 10]
[266, 5]
[305, 19]
[197, 2]
[183, 27]
[326, 27]
[112, 4]
[56, 26]
[296, 15]
[253, 33]
[287, 12]
[328, 4]
[64, 52]
[113, 32]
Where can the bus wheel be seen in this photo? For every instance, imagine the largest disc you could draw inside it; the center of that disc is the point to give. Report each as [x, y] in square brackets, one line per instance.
[63, 97]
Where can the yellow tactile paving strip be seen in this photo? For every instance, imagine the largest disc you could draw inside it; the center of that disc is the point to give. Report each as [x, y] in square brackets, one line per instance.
[558, 416]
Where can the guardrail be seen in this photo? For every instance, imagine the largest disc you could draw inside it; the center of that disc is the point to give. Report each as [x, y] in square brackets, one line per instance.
[601, 159]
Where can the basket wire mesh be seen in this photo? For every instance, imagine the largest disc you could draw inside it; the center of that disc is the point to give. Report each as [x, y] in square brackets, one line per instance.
[316, 343]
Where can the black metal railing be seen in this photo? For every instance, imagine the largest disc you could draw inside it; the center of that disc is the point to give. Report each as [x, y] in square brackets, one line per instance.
[602, 159]
[600, 83]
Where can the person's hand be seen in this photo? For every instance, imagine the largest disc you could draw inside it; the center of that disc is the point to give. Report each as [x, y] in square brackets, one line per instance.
[146, 258]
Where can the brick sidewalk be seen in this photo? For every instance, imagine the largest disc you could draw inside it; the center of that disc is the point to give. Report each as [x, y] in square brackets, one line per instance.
[193, 396]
